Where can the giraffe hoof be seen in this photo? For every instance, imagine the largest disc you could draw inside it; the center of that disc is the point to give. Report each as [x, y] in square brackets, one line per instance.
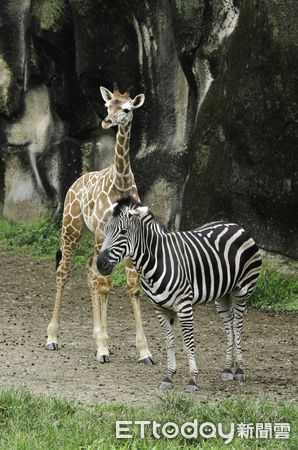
[227, 375]
[103, 359]
[239, 375]
[52, 346]
[148, 361]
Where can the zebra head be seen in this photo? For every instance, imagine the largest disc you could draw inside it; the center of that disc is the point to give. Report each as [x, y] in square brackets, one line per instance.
[119, 231]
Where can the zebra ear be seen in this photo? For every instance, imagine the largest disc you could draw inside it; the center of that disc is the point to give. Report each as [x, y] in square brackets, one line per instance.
[140, 211]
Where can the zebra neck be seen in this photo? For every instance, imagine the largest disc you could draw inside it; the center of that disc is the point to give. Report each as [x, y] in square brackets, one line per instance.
[149, 247]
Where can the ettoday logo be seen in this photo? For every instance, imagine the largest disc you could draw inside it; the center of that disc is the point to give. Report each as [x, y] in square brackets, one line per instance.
[170, 430]
[207, 430]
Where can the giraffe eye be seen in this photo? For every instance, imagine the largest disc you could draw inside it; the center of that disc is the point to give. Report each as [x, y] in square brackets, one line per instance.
[126, 110]
[123, 232]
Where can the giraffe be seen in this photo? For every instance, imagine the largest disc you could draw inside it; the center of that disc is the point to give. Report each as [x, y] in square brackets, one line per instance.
[88, 205]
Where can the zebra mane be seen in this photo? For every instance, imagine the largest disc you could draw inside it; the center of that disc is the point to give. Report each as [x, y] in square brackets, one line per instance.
[123, 203]
[131, 203]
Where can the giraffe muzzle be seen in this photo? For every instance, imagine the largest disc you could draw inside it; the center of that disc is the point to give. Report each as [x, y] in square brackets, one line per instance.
[103, 264]
[108, 123]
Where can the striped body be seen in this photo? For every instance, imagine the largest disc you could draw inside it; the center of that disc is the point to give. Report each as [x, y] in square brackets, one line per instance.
[218, 261]
[200, 265]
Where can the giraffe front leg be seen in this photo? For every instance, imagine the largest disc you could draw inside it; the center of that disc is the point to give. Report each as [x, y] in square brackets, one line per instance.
[224, 309]
[133, 288]
[100, 334]
[166, 320]
[185, 317]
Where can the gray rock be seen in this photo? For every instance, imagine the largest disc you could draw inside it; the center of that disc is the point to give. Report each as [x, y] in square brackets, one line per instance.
[215, 138]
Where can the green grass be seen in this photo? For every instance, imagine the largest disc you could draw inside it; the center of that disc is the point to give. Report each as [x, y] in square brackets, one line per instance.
[275, 290]
[41, 240]
[31, 422]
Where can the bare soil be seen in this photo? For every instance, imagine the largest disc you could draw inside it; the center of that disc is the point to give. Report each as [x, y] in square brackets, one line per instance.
[26, 305]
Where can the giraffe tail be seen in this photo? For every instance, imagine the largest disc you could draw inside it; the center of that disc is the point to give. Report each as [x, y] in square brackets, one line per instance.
[58, 257]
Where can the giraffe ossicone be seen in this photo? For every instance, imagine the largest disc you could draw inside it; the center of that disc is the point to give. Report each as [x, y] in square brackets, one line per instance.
[88, 204]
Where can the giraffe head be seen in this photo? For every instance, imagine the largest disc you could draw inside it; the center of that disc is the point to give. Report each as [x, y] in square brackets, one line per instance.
[120, 106]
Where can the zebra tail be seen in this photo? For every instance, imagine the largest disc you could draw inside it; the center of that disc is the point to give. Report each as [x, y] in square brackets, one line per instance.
[58, 257]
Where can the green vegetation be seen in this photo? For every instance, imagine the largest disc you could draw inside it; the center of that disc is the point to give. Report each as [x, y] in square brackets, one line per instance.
[275, 290]
[28, 422]
[41, 240]
[50, 13]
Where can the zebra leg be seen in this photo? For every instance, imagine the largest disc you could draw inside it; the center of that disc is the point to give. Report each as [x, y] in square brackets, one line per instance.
[238, 309]
[186, 322]
[225, 310]
[166, 320]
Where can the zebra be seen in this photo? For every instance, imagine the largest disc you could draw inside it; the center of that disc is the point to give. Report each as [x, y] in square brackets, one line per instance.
[217, 261]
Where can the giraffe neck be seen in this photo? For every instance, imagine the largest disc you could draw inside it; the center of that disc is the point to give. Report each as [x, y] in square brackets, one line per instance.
[123, 177]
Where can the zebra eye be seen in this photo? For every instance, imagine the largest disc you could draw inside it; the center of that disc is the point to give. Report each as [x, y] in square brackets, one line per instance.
[126, 110]
[123, 232]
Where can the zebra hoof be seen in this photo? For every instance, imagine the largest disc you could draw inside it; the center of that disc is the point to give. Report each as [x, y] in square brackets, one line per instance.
[103, 359]
[148, 361]
[166, 384]
[52, 346]
[190, 388]
[227, 375]
[239, 375]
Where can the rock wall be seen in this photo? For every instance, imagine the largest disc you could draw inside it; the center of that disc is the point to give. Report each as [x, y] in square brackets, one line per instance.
[215, 138]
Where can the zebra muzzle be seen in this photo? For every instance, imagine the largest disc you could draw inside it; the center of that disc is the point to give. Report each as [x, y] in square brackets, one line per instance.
[103, 264]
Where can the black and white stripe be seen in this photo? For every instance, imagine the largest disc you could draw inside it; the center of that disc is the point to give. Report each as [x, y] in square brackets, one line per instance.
[218, 261]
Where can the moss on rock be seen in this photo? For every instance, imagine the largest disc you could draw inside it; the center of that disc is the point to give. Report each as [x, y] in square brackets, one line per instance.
[50, 14]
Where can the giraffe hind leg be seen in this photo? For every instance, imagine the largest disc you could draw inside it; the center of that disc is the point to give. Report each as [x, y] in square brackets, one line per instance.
[71, 239]
[52, 343]
[61, 279]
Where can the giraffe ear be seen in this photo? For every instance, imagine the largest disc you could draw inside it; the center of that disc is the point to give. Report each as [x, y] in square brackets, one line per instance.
[106, 94]
[138, 101]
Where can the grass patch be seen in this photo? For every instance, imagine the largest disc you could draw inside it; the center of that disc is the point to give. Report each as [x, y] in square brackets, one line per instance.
[41, 240]
[28, 421]
[274, 290]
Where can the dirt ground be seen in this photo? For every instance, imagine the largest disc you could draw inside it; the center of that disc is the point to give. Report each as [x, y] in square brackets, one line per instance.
[26, 304]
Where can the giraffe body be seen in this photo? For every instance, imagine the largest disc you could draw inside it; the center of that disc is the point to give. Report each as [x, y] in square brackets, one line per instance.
[88, 204]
